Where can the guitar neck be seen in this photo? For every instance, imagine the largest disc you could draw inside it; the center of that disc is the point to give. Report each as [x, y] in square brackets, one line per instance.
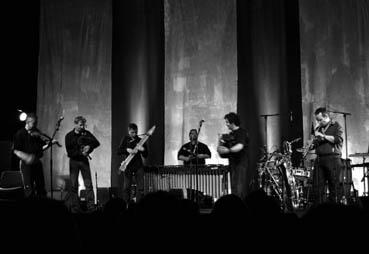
[142, 141]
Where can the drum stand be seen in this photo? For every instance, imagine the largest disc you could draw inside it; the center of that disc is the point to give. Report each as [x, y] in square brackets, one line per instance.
[365, 175]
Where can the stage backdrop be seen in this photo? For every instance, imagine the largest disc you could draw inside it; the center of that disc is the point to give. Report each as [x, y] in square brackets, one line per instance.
[268, 78]
[75, 79]
[200, 71]
[335, 68]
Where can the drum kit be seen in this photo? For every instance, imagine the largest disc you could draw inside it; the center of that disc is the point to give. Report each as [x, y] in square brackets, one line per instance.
[289, 185]
[292, 186]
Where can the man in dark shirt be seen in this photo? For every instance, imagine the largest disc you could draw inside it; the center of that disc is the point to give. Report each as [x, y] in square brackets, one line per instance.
[136, 167]
[236, 150]
[80, 143]
[328, 144]
[28, 147]
[194, 152]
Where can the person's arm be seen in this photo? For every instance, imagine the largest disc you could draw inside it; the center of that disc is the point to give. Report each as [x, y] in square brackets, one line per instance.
[18, 143]
[144, 152]
[122, 149]
[240, 143]
[335, 138]
[234, 149]
[204, 152]
[95, 143]
[182, 155]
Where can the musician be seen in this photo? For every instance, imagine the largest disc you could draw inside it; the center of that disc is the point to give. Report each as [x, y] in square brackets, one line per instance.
[28, 147]
[80, 143]
[328, 144]
[236, 150]
[188, 153]
[135, 167]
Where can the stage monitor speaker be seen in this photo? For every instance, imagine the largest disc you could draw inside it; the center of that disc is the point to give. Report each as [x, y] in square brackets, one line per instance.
[11, 185]
[11, 179]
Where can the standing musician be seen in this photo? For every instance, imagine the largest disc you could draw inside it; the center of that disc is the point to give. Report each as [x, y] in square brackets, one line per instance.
[135, 167]
[328, 144]
[29, 144]
[188, 153]
[235, 148]
[80, 143]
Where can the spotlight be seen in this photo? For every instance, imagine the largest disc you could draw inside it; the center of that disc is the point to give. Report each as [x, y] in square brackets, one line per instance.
[22, 115]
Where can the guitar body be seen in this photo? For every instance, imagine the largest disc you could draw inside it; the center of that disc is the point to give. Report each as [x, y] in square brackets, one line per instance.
[27, 158]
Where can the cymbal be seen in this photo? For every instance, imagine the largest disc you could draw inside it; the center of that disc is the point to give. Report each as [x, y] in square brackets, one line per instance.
[302, 150]
[359, 155]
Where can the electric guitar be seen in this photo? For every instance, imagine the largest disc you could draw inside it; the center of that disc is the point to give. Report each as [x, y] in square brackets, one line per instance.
[124, 164]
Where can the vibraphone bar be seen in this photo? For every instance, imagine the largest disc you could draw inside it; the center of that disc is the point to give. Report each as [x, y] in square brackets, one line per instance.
[212, 180]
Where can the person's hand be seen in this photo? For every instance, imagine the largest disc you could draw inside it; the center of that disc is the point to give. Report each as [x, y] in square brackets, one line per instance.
[223, 150]
[131, 151]
[141, 148]
[86, 150]
[191, 157]
[319, 135]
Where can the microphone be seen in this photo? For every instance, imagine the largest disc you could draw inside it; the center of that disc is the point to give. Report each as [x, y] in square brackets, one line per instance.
[202, 121]
[60, 119]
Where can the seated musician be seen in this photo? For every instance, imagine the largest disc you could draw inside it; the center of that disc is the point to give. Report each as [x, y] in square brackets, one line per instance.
[79, 143]
[194, 152]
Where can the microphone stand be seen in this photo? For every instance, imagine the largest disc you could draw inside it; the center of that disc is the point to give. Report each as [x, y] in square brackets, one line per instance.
[97, 194]
[266, 128]
[197, 162]
[51, 156]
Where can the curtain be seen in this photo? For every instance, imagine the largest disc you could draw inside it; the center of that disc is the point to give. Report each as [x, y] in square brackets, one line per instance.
[74, 79]
[137, 77]
[335, 68]
[200, 72]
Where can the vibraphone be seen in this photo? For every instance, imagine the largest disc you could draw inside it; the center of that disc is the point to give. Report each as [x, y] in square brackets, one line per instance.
[211, 180]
